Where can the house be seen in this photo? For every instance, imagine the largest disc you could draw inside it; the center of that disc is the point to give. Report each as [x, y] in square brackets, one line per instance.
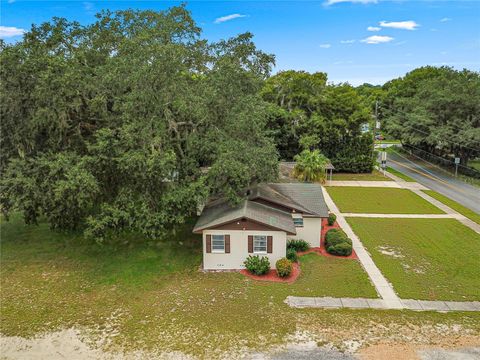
[261, 224]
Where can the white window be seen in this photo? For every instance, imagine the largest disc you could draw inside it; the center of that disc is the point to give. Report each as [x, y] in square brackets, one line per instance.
[218, 243]
[260, 244]
[298, 222]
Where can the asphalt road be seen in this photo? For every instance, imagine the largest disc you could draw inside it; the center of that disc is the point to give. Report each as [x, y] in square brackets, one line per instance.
[435, 179]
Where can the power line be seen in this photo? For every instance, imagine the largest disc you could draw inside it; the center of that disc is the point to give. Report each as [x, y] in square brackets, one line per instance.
[439, 157]
[430, 134]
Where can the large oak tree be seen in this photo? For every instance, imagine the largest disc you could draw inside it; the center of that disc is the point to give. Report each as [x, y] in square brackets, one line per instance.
[106, 127]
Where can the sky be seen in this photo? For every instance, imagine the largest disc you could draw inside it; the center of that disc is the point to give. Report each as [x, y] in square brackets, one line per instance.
[355, 41]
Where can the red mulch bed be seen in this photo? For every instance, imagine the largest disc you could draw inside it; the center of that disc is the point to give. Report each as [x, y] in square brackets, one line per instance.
[272, 274]
[273, 277]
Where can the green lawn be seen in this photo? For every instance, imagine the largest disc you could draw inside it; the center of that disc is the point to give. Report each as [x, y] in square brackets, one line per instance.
[472, 215]
[399, 174]
[380, 201]
[375, 175]
[432, 259]
[322, 276]
[158, 297]
[474, 164]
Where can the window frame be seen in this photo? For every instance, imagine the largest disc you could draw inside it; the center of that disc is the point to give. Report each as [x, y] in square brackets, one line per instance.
[218, 251]
[298, 218]
[255, 239]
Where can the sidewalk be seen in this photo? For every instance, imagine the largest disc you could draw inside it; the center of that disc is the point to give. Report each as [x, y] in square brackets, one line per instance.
[384, 184]
[383, 287]
[362, 303]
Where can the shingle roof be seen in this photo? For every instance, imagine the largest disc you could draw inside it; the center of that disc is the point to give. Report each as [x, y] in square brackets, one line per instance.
[309, 196]
[305, 198]
[220, 212]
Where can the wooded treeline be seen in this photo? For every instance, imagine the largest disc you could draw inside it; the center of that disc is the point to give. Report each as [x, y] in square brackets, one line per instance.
[106, 127]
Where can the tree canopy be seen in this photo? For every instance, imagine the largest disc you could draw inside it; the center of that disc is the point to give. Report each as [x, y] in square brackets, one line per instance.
[308, 113]
[436, 109]
[106, 127]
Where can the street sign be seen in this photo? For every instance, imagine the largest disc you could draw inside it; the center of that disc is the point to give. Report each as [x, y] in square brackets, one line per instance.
[457, 160]
[384, 160]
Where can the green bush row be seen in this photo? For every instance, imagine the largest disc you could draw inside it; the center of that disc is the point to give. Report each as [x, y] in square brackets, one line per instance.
[338, 243]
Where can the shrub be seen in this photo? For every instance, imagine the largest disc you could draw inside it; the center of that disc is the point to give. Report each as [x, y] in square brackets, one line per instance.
[257, 265]
[292, 255]
[298, 245]
[336, 236]
[331, 219]
[284, 267]
[342, 249]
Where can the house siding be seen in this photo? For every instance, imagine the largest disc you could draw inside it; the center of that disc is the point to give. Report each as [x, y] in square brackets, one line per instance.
[239, 249]
[310, 232]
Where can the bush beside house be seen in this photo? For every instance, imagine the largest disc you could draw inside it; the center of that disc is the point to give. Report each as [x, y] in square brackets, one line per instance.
[298, 245]
[284, 267]
[338, 243]
[331, 219]
[257, 265]
[292, 254]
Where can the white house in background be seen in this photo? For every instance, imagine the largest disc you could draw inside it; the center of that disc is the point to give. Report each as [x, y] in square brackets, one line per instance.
[261, 224]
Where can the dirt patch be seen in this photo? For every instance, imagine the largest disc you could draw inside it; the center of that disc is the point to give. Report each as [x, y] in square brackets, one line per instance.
[389, 251]
[407, 351]
[69, 344]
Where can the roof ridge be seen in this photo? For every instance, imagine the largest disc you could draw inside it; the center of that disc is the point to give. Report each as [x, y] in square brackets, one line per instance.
[288, 197]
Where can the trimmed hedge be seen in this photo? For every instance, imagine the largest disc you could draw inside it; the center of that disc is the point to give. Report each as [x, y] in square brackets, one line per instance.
[257, 265]
[284, 267]
[341, 249]
[292, 255]
[331, 219]
[298, 245]
[338, 243]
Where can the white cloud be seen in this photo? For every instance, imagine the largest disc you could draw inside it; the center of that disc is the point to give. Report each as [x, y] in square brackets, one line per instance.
[347, 41]
[377, 39]
[10, 31]
[228, 18]
[333, 2]
[11, 1]
[405, 25]
[445, 19]
[325, 46]
[88, 6]
[373, 28]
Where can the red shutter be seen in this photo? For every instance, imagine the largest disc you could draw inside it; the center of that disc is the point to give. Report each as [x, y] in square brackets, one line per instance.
[227, 244]
[269, 244]
[250, 244]
[209, 244]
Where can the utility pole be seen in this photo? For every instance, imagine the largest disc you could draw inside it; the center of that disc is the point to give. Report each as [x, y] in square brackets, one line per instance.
[377, 123]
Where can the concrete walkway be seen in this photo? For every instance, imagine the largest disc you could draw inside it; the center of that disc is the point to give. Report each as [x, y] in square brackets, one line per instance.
[384, 184]
[362, 303]
[464, 220]
[383, 287]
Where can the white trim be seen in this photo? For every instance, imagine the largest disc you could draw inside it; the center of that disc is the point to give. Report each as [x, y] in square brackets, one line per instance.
[218, 251]
[266, 243]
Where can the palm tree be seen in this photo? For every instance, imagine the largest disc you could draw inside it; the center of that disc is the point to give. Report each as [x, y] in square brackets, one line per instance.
[310, 166]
